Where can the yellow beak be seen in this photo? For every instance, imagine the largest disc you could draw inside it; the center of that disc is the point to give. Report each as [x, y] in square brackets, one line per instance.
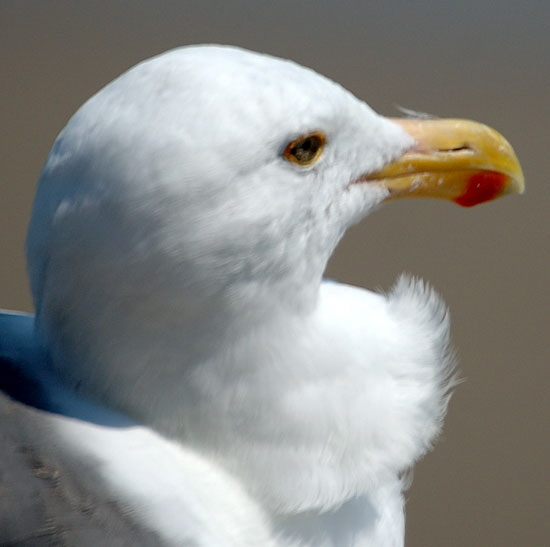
[459, 160]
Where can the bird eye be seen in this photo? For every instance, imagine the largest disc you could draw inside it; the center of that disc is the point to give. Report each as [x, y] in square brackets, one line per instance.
[305, 149]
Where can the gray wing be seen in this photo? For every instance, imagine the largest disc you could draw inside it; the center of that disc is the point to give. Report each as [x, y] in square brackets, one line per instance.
[41, 502]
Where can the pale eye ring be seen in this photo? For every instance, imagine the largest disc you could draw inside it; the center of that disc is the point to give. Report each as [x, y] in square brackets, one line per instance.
[306, 149]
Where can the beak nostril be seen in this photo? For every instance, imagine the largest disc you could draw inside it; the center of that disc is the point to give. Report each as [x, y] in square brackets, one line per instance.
[462, 148]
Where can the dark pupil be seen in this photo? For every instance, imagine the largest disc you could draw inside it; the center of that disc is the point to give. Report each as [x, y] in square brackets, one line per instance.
[306, 150]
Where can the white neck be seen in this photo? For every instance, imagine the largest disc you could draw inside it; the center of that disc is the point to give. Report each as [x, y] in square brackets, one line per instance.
[308, 410]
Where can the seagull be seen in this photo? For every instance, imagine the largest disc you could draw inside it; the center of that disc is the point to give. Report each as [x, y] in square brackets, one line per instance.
[189, 376]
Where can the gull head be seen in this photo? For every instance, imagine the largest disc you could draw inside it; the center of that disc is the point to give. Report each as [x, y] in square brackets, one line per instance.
[209, 168]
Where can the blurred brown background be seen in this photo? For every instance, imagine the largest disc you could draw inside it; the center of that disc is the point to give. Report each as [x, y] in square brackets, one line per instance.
[487, 482]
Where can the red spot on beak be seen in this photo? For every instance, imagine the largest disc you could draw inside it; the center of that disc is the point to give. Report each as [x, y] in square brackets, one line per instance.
[482, 186]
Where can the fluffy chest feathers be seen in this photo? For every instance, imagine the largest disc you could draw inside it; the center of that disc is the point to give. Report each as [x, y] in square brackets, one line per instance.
[309, 410]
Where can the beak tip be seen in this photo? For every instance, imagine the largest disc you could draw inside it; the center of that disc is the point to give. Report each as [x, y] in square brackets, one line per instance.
[485, 186]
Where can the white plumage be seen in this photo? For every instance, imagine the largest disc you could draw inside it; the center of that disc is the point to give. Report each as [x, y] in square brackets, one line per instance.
[176, 259]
